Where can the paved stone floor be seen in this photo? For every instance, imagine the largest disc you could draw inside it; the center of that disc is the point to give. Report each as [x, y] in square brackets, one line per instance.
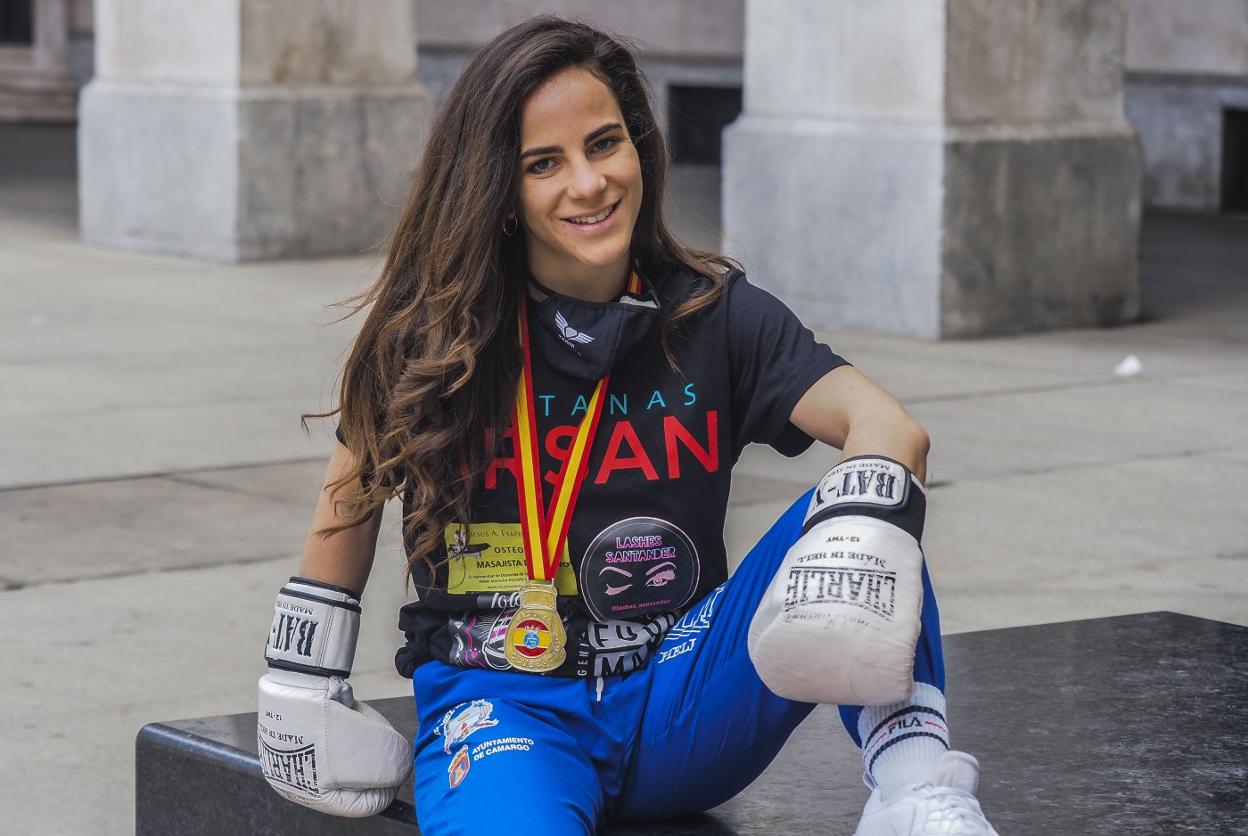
[155, 485]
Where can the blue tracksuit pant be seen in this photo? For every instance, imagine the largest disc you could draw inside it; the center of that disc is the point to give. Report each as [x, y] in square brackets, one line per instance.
[515, 753]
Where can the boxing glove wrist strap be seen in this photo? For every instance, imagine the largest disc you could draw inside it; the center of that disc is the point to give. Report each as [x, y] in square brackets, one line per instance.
[315, 627]
[870, 486]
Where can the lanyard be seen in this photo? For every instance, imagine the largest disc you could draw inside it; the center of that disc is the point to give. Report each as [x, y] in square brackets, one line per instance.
[545, 530]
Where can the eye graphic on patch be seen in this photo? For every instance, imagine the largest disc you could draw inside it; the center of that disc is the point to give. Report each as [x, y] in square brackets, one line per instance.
[623, 574]
[661, 575]
[638, 566]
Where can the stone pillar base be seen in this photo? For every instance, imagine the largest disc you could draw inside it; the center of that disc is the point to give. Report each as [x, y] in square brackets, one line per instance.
[937, 231]
[260, 172]
[37, 95]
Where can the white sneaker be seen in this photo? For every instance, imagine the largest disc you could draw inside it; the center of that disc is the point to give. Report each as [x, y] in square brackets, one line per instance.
[944, 804]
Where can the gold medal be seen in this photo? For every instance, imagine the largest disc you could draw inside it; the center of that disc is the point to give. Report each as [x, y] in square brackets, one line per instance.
[535, 637]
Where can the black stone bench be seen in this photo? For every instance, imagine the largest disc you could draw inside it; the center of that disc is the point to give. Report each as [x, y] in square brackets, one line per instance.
[1128, 725]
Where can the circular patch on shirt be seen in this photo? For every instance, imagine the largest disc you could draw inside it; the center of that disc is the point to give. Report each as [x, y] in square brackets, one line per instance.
[636, 566]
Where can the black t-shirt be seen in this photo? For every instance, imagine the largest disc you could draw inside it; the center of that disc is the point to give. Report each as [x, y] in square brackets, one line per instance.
[647, 534]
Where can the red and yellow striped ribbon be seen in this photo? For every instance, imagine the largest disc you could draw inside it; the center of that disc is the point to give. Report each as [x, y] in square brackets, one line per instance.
[544, 531]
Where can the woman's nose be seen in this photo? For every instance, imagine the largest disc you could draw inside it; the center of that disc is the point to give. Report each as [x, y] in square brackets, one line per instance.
[587, 181]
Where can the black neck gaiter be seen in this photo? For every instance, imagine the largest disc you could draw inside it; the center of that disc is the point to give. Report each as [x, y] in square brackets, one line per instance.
[585, 340]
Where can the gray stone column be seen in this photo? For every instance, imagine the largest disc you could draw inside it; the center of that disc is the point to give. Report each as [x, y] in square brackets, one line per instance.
[937, 168]
[1187, 67]
[35, 84]
[249, 129]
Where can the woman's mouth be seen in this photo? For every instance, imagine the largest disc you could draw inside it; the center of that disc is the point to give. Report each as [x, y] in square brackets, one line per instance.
[594, 221]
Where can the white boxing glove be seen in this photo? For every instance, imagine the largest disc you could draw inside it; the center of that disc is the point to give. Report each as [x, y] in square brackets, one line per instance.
[318, 746]
[840, 620]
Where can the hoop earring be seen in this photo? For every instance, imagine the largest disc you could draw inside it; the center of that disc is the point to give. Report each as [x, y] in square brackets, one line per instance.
[515, 225]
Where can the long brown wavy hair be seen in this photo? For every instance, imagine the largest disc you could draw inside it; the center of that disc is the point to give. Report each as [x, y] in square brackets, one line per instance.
[436, 362]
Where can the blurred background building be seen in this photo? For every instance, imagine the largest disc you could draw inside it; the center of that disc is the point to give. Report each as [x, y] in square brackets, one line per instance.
[1186, 81]
[1187, 74]
[950, 149]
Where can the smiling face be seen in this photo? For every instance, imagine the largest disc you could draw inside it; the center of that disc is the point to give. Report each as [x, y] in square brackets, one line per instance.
[580, 186]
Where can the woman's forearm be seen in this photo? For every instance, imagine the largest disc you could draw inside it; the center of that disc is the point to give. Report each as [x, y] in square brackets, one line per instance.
[346, 558]
[895, 435]
[846, 410]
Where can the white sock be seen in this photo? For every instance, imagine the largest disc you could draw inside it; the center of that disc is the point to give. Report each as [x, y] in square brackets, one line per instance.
[901, 743]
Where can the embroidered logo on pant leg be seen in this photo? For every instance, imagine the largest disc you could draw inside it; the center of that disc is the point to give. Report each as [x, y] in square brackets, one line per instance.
[458, 770]
[463, 720]
[684, 634]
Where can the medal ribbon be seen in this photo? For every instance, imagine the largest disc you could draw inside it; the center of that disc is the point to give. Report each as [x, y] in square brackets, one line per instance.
[544, 531]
